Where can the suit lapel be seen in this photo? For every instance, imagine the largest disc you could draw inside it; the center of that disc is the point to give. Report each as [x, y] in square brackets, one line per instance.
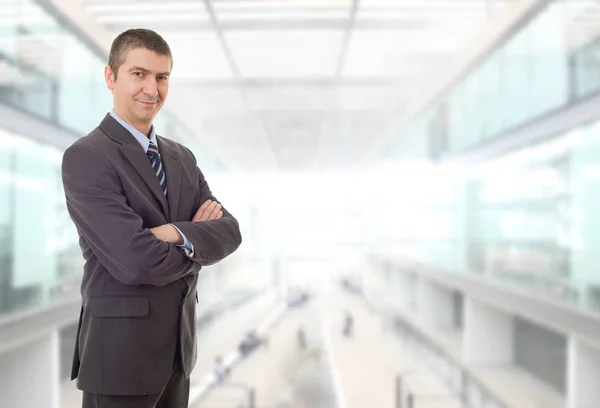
[172, 165]
[134, 153]
[140, 162]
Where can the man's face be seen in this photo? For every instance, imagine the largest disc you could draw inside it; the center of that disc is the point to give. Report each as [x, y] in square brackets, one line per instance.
[141, 86]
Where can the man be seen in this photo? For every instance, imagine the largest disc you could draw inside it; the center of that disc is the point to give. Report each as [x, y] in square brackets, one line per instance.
[147, 223]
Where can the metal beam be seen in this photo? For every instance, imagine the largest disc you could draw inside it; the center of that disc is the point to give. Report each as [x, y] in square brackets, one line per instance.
[557, 315]
[281, 25]
[21, 327]
[341, 61]
[325, 82]
[237, 76]
[553, 124]
[494, 34]
[347, 37]
[23, 123]
[214, 24]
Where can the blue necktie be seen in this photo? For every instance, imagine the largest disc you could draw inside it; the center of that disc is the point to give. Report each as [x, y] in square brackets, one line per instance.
[157, 166]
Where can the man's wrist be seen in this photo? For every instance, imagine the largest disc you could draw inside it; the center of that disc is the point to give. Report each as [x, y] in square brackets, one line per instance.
[175, 236]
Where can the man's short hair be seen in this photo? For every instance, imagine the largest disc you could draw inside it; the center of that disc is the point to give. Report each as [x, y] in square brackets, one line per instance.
[136, 38]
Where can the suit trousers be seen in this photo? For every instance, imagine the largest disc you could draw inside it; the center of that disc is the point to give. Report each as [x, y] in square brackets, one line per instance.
[175, 395]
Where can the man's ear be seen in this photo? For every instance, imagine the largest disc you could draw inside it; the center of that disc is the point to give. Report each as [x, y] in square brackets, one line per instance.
[109, 77]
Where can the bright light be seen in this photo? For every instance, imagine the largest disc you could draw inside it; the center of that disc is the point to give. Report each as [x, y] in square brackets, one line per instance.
[282, 5]
[155, 18]
[186, 6]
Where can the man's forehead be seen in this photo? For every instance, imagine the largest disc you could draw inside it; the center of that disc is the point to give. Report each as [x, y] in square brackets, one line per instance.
[147, 59]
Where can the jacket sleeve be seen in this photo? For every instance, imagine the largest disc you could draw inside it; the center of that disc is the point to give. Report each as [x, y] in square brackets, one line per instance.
[100, 211]
[212, 240]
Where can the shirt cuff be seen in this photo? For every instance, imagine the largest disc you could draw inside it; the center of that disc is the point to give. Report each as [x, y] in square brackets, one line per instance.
[187, 247]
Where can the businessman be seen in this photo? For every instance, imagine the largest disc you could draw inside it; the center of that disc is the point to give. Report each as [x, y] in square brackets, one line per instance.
[147, 224]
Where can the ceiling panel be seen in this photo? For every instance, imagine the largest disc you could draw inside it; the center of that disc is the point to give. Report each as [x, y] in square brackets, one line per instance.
[198, 55]
[346, 135]
[293, 137]
[400, 53]
[208, 100]
[382, 98]
[276, 6]
[285, 53]
[290, 98]
[259, 80]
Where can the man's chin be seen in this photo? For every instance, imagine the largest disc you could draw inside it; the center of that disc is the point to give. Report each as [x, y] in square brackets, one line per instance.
[147, 114]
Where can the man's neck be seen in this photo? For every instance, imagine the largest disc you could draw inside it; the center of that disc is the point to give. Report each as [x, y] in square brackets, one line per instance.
[144, 128]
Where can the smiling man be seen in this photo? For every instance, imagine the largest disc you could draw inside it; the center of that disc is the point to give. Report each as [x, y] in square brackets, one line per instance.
[147, 223]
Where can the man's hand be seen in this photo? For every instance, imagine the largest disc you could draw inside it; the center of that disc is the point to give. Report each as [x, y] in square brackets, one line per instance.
[208, 211]
[168, 233]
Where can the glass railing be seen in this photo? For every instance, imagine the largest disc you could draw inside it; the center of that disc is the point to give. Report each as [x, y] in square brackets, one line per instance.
[459, 379]
[550, 61]
[528, 219]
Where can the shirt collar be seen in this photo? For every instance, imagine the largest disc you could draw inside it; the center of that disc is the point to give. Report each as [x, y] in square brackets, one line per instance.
[139, 136]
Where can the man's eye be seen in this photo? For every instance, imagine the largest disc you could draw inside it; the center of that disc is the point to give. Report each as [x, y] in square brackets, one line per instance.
[138, 73]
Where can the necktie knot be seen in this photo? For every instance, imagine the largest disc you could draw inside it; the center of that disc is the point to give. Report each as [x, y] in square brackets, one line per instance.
[153, 151]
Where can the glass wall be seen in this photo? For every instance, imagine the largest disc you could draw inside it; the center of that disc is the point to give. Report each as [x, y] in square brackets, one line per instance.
[47, 71]
[537, 222]
[40, 259]
[528, 219]
[552, 60]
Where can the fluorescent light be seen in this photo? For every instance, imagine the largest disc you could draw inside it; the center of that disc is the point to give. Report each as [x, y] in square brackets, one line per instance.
[449, 16]
[284, 36]
[434, 4]
[276, 4]
[283, 15]
[155, 18]
[148, 7]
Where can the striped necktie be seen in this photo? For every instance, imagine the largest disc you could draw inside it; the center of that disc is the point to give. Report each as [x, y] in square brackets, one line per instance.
[157, 166]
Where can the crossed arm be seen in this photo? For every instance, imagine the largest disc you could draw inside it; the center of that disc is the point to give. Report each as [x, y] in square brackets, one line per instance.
[133, 254]
[208, 211]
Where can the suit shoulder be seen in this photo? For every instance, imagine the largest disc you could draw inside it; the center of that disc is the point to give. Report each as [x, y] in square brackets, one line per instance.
[91, 147]
[96, 141]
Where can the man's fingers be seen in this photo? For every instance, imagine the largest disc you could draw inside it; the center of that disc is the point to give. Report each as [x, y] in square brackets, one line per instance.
[215, 211]
[201, 213]
[204, 206]
[208, 211]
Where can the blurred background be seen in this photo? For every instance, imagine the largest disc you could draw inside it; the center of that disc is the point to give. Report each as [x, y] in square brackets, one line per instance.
[417, 184]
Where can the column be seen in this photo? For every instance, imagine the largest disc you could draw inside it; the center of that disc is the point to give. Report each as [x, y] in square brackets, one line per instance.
[435, 305]
[488, 336]
[29, 374]
[583, 374]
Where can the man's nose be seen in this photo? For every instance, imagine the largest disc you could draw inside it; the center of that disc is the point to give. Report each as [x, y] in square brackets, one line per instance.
[150, 87]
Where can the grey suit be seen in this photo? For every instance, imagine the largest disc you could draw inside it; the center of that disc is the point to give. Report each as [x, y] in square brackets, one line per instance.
[138, 292]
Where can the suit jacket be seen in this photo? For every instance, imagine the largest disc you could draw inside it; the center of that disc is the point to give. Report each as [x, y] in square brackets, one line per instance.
[138, 292]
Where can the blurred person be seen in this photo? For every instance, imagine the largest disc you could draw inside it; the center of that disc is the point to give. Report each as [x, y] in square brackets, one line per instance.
[250, 342]
[219, 369]
[147, 223]
[348, 325]
[301, 338]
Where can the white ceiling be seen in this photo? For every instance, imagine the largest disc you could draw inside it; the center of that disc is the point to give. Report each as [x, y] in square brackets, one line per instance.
[299, 84]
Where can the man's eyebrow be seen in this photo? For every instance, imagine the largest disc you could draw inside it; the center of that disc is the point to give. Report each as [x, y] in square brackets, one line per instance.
[146, 71]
